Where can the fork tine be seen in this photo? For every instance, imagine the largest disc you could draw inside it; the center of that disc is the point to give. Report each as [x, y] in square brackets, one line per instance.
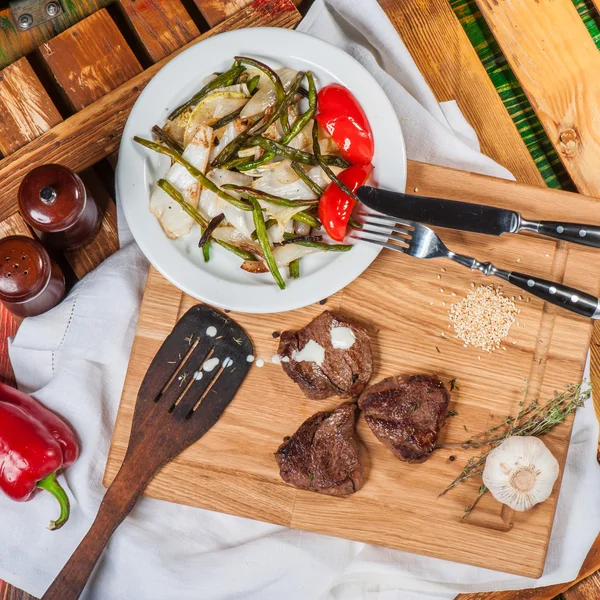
[397, 228]
[382, 217]
[380, 243]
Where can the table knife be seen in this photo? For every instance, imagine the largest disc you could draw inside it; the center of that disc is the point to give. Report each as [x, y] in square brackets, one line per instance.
[477, 218]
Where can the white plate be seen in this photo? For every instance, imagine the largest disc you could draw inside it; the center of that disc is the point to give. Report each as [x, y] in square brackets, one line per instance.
[221, 282]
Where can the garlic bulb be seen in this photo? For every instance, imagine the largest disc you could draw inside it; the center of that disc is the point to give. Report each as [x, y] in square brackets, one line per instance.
[520, 472]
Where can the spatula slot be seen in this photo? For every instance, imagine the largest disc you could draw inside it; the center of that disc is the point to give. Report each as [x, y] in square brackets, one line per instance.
[193, 342]
[215, 378]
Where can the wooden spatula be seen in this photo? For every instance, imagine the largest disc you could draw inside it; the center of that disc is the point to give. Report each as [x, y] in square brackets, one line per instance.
[190, 382]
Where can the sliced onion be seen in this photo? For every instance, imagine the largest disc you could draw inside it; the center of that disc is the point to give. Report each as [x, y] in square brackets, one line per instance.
[269, 182]
[266, 96]
[227, 106]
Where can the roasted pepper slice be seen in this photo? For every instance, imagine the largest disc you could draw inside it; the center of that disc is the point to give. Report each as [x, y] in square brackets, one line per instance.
[336, 206]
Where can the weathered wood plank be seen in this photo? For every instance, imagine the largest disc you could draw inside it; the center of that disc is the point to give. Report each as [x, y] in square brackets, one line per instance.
[90, 59]
[587, 589]
[14, 43]
[216, 11]
[557, 63]
[447, 60]
[26, 110]
[94, 132]
[14, 225]
[162, 26]
[106, 242]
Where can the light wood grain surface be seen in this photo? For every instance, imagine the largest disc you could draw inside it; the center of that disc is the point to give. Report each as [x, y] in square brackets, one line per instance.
[555, 59]
[445, 56]
[237, 454]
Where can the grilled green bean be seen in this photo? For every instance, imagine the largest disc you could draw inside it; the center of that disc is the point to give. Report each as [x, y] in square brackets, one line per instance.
[314, 187]
[227, 119]
[295, 155]
[295, 268]
[197, 174]
[268, 225]
[320, 245]
[272, 75]
[212, 225]
[166, 139]
[259, 195]
[190, 210]
[265, 244]
[304, 217]
[228, 152]
[297, 127]
[222, 80]
[355, 224]
[321, 162]
[252, 83]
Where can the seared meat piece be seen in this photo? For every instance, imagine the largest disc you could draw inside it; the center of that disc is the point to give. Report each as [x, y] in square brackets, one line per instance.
[323, 455]
[331, 356]
[406, 414]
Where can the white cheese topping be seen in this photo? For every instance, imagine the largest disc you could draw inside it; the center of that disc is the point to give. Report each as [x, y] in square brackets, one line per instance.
[210, 364]
[312, 352]
[342, 338]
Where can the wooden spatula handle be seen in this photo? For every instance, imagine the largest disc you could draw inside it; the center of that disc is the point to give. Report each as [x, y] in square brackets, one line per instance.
[118, 501]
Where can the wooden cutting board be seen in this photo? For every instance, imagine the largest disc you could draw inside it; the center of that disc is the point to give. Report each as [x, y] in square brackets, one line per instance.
[404, 304]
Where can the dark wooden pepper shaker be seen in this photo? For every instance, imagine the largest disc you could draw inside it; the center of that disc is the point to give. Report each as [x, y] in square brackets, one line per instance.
[54, 201]
[30, 281]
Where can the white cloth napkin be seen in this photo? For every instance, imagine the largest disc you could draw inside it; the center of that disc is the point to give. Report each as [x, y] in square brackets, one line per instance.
[75, 357]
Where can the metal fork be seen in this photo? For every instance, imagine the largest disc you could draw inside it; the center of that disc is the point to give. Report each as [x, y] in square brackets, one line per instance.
[420, 241]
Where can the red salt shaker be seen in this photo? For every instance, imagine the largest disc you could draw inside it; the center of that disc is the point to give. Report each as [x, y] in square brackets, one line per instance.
[30, 281]
[55, 202]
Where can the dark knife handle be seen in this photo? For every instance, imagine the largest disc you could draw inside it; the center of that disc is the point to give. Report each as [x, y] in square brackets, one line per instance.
[588, 235]
[562, 295]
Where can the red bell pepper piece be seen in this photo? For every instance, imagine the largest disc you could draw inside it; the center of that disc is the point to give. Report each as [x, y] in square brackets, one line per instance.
[343, 118]
[35, 445]
[335, 207]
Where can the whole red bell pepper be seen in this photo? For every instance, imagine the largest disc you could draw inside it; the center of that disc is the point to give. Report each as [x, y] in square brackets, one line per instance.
[35, 445]
[335, 207]
[343, 118]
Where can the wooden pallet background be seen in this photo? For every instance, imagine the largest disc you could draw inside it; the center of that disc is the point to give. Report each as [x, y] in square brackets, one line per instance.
[66, 88]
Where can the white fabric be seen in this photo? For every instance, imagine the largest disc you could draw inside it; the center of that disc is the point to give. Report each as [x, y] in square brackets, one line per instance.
[75, 358]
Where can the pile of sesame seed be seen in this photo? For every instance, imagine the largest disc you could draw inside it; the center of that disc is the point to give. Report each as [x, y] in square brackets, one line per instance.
[483, 319]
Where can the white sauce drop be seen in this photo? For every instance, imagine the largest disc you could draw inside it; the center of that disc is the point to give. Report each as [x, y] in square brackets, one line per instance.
[285, 359]
[198, 375]
[260, 362]
[211, 331]
[227, 362]
[276, 359]
[250, 358]
[210, 364]
[342, 338]
[312, 352]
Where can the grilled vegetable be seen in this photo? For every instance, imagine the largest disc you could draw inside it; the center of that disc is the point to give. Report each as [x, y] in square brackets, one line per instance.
[227, 78]
[265, 244]
[336, 206]
[342, 117]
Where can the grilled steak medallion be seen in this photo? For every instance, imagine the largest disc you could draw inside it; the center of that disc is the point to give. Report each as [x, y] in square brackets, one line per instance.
[331, 356]
[323, 455]
[406, 414]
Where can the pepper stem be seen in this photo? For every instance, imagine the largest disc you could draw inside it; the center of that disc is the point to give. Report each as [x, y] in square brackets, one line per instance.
[50, 484]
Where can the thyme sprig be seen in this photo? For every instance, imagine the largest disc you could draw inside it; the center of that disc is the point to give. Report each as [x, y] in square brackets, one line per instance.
[532, 419]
